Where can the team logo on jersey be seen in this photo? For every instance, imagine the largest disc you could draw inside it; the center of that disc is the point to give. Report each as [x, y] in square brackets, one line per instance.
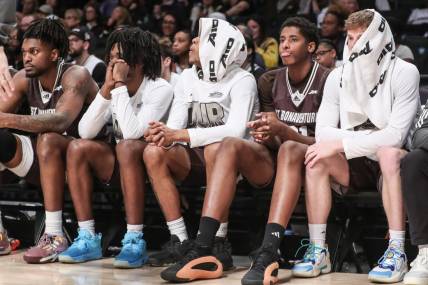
[313, 92]
[215, 94]
[205, 115]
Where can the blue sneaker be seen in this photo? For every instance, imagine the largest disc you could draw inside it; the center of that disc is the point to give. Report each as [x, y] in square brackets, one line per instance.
[392, 267]
[316, 261]
[133, 253]
[84, 248]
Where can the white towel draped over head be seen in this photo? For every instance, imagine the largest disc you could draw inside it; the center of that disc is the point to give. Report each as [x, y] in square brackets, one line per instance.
[365, 86]
[221, 48]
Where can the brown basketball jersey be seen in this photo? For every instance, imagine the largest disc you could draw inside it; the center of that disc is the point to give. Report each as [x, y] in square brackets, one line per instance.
[44, 102]
[297, 106]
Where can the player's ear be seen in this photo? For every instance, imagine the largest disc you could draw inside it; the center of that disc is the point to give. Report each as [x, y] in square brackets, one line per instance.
[55, 54]
[312, 47]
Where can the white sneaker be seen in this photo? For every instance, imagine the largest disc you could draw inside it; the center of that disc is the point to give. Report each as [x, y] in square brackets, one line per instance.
[418, 274]
[391, 268]
[316, 261]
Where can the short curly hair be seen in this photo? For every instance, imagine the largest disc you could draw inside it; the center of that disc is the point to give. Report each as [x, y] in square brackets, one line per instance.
[307, 29]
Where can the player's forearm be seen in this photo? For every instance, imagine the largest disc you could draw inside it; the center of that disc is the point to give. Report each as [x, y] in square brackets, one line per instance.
[35, 124]
[287, 133]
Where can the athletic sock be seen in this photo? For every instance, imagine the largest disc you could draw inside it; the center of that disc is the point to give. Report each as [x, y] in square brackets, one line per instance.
[222, 230]
[396, 239]
[53, 223]
[134, 228]
[317, 233]
[207, 230]
[88, 225]
[178, 228]
[1, 224]
[274, 233]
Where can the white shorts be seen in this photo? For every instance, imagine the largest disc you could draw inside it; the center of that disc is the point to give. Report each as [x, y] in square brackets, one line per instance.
[24, 166]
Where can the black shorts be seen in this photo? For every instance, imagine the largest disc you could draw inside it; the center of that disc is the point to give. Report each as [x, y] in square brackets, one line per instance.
[364, 174]
[197, 174]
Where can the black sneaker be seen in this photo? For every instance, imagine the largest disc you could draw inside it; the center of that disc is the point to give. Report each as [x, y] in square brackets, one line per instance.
[264, 268]
[223, 251]
[198, 263]
[171, 252]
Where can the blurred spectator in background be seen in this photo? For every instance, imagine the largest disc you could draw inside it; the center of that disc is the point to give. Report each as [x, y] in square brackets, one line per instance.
[25, 23]
[168, 64]
[92, 19]
[13, 49]
[267, 47]
[326, 54]
[119, 17]
[235, 8]
[73, 18]
[132, 7]
[250, 63]
[202, 9]
[180, 49]
[27, 7]
[332, 28]
[169, 26]
[80, 40]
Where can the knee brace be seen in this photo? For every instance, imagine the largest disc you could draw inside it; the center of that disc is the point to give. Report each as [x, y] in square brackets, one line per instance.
[8, 145]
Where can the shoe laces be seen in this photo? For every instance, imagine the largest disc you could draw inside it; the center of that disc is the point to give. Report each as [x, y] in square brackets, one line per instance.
[263, 257]
[45, 240]
[312, 251]
[390, 258]
[194, 252]
[81, 241]
[421, 260]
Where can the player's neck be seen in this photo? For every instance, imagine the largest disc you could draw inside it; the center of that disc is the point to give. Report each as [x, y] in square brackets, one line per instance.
[298, 72]
[47, 80]
[134, 85]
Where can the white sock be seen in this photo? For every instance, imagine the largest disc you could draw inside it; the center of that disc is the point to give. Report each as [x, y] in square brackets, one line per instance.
[134, 228]
[1, 224]
[222, 230]
[88, 225]
[53, 223]
[396, 239]
[317, 233]
[178, 228]
[423, 246]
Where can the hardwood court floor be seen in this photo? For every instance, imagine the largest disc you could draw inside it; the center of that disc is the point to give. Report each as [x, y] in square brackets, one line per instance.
[14, 271]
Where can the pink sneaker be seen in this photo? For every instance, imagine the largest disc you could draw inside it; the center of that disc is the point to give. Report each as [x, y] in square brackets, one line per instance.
[4, 244]
[47, 249]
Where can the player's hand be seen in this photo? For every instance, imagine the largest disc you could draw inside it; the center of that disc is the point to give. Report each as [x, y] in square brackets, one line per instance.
[266, 126]
[6, 83]
[120, 71]
[109, 81]
[321, 150]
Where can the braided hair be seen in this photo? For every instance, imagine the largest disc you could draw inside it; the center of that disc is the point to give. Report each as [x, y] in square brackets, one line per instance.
[49, 31]
[136, 47]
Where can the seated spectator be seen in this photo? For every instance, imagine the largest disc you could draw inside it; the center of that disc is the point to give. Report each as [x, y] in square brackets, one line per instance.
[326, 54]
[418, 16]
[13, 49]
[169, 26]
[180, 49]
[267, 47]
[168, 64]
[132, 7]
[332, 28]
[235, 8]
[202, 9]
[344, 6]
[80, 51]
[119, 17]
[250, 64]
[27, 7]
[92, 19]
[26, 22]
[73, 18]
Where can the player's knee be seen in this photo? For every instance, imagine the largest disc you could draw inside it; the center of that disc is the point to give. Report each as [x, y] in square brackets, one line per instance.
[77, 151]
[128, 149]
[318, 169]
[389, 160]
[291, 152]
[8, 145]
[230, 146]
[48, 145]
[153, 156]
